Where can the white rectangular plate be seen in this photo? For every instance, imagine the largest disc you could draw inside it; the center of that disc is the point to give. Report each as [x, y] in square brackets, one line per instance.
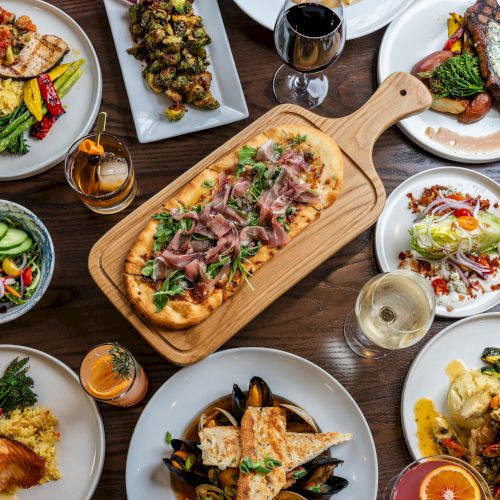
[148, 107]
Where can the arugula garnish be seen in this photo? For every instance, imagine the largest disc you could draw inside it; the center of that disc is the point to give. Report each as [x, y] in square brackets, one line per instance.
[246, 157]
[298, 139]
[237, 264]
[148, 269]
[167, 228]
[170, 288]
[259, 181]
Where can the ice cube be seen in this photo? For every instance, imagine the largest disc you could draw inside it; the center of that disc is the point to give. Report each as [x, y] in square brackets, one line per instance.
[113, 172]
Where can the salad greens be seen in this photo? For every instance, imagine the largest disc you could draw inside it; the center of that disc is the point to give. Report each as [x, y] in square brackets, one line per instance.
[430, 238]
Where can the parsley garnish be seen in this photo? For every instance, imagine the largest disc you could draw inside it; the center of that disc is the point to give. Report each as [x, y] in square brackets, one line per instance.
[170, 288]
[168, 438]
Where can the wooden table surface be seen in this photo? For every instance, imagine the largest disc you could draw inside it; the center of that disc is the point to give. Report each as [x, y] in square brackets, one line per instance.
[74, 315]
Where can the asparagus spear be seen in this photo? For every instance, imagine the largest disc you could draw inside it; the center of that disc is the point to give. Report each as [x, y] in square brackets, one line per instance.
[57, 84]
[21, 128]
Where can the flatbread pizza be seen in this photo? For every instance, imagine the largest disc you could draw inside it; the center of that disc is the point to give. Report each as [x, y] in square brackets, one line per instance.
[228, 221]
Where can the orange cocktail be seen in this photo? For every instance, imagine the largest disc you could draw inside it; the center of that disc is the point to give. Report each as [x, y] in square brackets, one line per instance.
[109, 373]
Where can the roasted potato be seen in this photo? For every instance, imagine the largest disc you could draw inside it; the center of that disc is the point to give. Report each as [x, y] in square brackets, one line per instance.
[477, 108]
[431, 62]
[449, 105]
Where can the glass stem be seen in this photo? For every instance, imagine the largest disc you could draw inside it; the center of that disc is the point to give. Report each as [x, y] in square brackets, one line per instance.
[300, 83]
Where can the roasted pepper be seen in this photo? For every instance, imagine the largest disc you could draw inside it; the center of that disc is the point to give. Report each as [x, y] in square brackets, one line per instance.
[33, 98]
[50, 97]
[58, 71]
[41, 129]
[455, 32]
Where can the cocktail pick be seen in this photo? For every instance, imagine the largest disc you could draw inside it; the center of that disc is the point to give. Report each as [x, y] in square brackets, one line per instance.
[101, 125]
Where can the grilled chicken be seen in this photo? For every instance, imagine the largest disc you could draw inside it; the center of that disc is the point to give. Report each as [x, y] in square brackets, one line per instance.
[483, 22]
[40, 54]
[19, 465]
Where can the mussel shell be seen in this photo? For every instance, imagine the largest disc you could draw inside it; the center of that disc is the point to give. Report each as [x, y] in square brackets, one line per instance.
[259, 394]
[197, 473]
[290, 495]
[332, 486]
[301, 413]
[203, 490]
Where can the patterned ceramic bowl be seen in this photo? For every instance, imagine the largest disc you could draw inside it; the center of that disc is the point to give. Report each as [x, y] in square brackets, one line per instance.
[33, 225]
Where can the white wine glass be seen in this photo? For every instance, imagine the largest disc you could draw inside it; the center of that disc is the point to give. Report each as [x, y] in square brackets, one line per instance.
[309, 36]
[393, 311]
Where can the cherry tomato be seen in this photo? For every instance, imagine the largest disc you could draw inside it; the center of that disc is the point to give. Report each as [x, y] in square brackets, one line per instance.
[28, 276]
[9, 267]
[454, 449]
[462, 212]
[496, 493]
[468, 223]
[440, 286]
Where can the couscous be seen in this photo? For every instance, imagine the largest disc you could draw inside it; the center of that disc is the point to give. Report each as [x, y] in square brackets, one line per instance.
[35, 427]
[11, 95]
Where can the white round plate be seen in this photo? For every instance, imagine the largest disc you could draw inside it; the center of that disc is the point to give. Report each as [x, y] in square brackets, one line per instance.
[191, 389]
[463, 340]
[419, 31]
[81, 103]
[80, 452]
[391, 233]
[362, 18]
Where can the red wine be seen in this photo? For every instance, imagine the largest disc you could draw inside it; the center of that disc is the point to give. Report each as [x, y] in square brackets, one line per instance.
[309, 37]
[312, 20]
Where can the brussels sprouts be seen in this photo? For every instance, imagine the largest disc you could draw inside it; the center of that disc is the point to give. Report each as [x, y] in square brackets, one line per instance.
[173, 44]
[195, 93]
[182, 6]
[135, 13]
[136, 29]
[175, 113]
[207, 102]
[191, 64]
[156, 66]
[151, 79]
[175, 97]
[171, 59]
[200, 52]
[166, 77]
[155, 37]
[182, 84]
[137, 51]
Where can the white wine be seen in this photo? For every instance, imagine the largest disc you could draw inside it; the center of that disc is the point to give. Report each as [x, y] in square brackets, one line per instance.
[395, 310]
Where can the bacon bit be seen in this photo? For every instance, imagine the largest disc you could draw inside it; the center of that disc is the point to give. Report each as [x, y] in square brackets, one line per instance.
[495, 262]
[461, 298]
[495, 287]
[404, 255]
[496, 205]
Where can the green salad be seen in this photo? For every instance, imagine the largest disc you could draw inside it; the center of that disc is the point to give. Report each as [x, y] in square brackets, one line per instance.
[20, 264]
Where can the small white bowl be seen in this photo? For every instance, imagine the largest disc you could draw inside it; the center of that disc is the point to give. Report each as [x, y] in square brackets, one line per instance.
[34, 226]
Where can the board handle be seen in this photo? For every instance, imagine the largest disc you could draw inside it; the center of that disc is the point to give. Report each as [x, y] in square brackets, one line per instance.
[400, 95]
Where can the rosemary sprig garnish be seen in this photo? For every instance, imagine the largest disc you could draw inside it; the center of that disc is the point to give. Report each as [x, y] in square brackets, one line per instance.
[121, 361]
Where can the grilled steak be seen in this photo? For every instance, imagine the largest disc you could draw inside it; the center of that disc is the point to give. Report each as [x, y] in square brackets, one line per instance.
[483, 22]
[39, 55]
[19, 465]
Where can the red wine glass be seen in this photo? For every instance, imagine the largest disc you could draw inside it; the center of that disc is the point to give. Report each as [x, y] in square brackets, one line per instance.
[309, 37]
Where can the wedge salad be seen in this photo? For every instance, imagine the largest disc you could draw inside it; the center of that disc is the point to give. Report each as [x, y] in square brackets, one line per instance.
[455, 244]
[20, 260]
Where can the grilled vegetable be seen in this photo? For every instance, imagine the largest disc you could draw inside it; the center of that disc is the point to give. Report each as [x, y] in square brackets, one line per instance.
[16, 387]
[33, 98]
[491, 355]
[50, 96]
[490, 370]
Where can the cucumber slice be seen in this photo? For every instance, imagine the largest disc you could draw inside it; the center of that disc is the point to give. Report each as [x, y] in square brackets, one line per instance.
[3, 229]
[13, 238]
[15, 251]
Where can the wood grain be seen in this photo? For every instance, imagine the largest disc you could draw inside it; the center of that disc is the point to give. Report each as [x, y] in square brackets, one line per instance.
[358, 207]
[307, 320]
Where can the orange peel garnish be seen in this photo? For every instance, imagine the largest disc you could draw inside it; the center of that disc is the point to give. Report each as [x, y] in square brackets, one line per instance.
[91, 148]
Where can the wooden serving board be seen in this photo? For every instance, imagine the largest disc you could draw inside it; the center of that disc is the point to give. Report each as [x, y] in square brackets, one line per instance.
[357, 208]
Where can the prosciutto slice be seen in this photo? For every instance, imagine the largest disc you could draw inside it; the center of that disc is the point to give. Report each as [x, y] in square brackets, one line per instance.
[241, 186]
[179, 260]
[267, 152]
[179, 215]
[253, 233]
[294, 162]
[277, 235]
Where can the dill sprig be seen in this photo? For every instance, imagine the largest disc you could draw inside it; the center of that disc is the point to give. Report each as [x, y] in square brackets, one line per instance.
[121, 361]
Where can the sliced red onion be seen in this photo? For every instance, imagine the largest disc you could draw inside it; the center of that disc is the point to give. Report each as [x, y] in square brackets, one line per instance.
[24, 262]
[22, 286]
[9, 281]
[461, 274]
[469, 264]
[442, 204]
[2, 289]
